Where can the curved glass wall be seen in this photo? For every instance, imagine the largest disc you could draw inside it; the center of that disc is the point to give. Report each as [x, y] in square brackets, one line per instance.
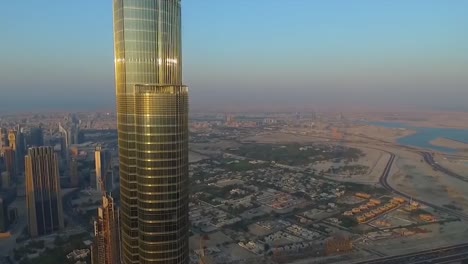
[152, 108]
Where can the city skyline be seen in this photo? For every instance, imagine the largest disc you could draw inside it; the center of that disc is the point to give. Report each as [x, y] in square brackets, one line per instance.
[362, 52]
[318, 131]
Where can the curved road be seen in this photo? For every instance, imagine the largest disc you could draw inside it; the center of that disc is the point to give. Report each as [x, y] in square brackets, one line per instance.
[441, 255]
[384, 182]
[430, 160]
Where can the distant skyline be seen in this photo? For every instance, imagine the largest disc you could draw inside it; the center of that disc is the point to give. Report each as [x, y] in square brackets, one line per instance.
[58, 55]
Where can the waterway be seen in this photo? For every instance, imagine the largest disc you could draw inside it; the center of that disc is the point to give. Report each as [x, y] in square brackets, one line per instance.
[424, 135]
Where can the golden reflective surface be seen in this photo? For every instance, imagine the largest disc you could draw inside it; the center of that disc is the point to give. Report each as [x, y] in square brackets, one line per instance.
[43, 198]
[152, 108]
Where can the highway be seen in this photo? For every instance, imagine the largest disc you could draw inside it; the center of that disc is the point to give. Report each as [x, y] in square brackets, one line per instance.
[430, 160]
[384, 182]
[441, 255]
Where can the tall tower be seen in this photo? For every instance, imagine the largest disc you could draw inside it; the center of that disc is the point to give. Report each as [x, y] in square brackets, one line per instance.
[107, 234]
[73, 173]
[103, 166]
[36, 137]
[43, 199]
[4, 221]
[3, 138]
[12, 139]
[65, 141]
[20, 149]
[9, 157]
[152, 111]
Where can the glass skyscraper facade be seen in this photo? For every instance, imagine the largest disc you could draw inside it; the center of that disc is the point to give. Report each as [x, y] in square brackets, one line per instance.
[152, 109]
[43, 198]
[107, 234]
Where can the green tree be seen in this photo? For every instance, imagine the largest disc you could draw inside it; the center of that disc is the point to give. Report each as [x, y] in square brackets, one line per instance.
[349, 222]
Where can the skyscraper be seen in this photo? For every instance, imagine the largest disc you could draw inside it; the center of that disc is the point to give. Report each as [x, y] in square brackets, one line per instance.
[103, 165]
[43, 199]
[12, 139]
[65, 142]
[106, 245]
[36, 137]
[4, 221]
[9, 157]
[5, 179]
[16, 140]
[73, 173]
[152, 110]
[3, 139]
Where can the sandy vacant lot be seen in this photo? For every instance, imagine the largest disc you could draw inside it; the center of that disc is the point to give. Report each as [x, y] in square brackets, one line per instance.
[449, 143]
[380, 133]
[375, 159]
[353, 133]
[414, 177]
[459, 166]
[422, 119]
[438, 236]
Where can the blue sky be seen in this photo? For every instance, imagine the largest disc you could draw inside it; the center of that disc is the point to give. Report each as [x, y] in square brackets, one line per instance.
[59, 54]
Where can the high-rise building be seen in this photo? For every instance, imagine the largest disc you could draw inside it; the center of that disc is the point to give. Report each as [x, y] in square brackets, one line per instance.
[104, 173]
[3, 139]
[9, 157]
[12, 139]
[65, 142]
[36, 137]
[74, 176]
[16, 140]
[106, 247]
[4, 220]
[43, 199]
[5, 179]
[73, 132]
[152, 110]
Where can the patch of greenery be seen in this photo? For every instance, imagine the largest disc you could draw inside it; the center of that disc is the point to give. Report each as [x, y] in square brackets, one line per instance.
[348, 222]
[295, 154]
[350, 169]
[244, 165]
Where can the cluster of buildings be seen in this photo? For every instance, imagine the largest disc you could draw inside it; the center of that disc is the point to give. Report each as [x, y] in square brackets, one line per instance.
[154, 187]
[13, 149]
[373, 208]
[78, 254]
[264, 189]
[34, 166]
[278, 200]
[209, 218]
[283, 237]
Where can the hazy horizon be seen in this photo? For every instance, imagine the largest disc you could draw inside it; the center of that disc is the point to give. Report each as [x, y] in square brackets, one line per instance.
[59, 55]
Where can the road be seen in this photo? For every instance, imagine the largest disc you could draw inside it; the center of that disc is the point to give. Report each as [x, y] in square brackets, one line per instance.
[384, 182]
[441, 255]
[447, 254]
[430, 160]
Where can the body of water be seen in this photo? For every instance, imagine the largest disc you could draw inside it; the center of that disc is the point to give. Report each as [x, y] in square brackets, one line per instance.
[424, 135]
